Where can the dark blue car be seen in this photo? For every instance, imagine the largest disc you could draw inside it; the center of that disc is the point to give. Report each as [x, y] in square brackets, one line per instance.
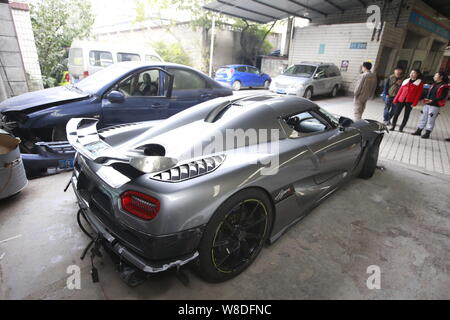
[242, 76]
[123, 93]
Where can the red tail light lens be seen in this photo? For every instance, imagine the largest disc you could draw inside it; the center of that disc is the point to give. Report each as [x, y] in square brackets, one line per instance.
[86, 74]
[67, 77]
[140, 205]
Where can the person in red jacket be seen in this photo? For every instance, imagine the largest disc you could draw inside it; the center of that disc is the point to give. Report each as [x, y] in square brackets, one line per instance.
[407, 97]
[435, 99]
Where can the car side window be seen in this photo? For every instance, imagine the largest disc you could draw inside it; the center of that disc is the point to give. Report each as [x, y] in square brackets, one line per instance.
[241, 69]
[305, 123]
[187, 80]
[141, 84]
[333, 71]
[100, 58]
[124, 56]
[321, 73]
[252, 70]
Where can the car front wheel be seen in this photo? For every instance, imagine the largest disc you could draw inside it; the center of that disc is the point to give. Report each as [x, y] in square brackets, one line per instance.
[234, 236]
[308, 93]
[266, 84]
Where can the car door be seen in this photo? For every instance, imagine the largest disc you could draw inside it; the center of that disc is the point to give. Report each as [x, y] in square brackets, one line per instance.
[254, 76]
[189, 88]
[243, 76]
[336, 151]
[320, 80]
[139, 97]
[333, 77]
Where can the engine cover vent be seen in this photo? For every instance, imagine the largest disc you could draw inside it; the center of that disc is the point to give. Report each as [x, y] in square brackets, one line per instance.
[190, 170]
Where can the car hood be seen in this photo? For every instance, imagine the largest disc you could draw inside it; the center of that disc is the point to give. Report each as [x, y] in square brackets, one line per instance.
[42, 98]
[289, 80]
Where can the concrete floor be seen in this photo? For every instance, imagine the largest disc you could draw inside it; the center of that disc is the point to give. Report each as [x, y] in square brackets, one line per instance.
[399, 221]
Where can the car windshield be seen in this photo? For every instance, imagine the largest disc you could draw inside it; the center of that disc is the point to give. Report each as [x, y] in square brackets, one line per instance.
[223, 70]
[101, 78]
[300, 70]
[333, 118]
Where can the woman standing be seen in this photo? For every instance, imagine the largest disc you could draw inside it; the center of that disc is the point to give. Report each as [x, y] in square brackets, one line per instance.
[435, 99]
[407, 97]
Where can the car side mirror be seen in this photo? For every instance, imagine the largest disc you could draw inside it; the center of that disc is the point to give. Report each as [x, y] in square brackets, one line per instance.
[344, 123]
[115, 97]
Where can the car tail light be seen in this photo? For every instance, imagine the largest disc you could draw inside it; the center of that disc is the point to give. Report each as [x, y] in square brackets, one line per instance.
[140, 205]
[86, 74]
[67, 77]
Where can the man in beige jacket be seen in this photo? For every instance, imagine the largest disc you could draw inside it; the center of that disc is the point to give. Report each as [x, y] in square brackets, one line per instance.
[365, 89]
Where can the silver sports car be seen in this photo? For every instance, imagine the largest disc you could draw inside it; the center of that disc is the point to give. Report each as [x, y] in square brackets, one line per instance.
[213, 184]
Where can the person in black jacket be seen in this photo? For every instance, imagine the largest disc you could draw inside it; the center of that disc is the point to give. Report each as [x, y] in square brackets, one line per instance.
[390, 90]
[436, 98]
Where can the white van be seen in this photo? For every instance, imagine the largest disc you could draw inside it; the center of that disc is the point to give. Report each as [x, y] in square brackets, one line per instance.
[88, 57]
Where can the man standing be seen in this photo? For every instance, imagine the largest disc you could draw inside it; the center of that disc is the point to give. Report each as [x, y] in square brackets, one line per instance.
[391, 87]
[436, 99]
[365, 89]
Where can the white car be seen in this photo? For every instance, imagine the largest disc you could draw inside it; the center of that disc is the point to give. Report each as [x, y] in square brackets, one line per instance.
[88, 57]
[308, 79]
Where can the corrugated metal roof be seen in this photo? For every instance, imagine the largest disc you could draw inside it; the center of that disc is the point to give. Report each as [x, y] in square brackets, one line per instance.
[264, 11]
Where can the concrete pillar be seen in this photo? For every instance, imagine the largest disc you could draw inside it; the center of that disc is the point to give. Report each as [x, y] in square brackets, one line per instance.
[3, 94]
[287, 40]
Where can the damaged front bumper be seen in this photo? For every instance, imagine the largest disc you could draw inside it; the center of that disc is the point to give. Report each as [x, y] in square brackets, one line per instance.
[115, 244]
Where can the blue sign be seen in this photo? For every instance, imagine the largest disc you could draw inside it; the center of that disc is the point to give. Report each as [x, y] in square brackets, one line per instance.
[358, 45]
[322, 48]
[428, 24]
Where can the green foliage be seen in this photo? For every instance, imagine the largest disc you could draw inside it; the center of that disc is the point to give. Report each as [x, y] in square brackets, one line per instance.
[252, 36]
[172, 52]
[200, 17]
[253, 40]
[56, 23]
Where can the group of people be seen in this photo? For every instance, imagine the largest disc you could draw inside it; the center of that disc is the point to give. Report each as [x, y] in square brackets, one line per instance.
[401, 93]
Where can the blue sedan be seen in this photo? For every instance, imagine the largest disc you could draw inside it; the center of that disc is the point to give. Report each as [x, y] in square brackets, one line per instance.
[122, 93]
[242, 76]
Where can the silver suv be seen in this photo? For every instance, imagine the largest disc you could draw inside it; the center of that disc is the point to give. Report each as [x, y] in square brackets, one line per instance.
[308, 79]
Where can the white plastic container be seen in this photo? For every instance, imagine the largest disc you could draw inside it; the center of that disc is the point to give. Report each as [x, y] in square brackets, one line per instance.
[12, 172]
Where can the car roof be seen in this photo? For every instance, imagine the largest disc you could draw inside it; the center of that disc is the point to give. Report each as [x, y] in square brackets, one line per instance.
[254, 106]
[236, 66]
[314, 63]
[141, 64]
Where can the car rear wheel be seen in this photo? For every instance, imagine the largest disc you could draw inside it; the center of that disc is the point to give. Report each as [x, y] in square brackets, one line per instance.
[236, 85]
[234, 236]
[370, 163]
[266, 84]
[334, 92]
[308, 93]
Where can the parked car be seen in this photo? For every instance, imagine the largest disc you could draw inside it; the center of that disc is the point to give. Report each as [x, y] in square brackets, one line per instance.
[122, 93]
[275, 53]
[142, 187]
[308, 79]
[88, 57]
[242, 76]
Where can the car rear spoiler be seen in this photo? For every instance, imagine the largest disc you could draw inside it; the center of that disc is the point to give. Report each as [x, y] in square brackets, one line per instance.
[83, 136]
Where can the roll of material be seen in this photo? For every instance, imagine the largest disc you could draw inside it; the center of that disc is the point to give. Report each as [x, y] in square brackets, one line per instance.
[13, 178]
